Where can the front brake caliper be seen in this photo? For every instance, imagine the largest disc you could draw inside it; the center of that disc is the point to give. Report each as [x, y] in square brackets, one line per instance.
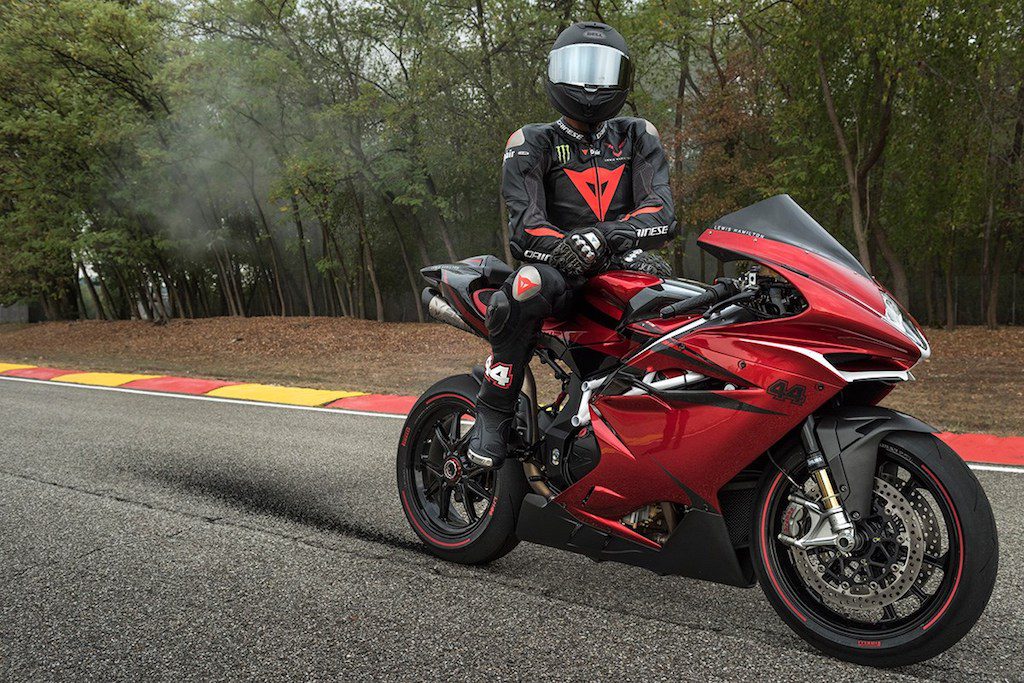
[828, 522]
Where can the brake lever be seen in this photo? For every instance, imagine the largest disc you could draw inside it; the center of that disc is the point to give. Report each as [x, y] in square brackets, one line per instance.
[742, 296]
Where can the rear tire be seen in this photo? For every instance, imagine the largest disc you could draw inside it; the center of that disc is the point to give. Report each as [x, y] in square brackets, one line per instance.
[943, 599]
[474, 532]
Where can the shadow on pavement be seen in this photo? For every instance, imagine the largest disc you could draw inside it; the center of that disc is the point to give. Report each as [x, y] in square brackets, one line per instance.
[270, 493]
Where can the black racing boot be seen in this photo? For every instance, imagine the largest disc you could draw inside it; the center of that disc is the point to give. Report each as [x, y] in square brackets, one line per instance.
[488, 440]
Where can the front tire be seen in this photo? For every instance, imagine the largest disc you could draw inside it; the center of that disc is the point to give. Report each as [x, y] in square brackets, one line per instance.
[463, 513]
[923, 572]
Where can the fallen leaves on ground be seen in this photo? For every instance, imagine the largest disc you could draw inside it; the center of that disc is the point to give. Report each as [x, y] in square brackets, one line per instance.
[974, 380]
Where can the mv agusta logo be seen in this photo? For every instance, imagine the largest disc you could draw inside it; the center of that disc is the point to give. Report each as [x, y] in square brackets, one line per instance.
[597, 186]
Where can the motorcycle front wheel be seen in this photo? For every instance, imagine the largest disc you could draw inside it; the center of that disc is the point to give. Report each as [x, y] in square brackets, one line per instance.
[922, 570]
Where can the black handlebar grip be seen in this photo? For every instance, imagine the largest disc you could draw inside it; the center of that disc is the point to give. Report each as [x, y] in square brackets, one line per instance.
[716, 293]
[695, 302]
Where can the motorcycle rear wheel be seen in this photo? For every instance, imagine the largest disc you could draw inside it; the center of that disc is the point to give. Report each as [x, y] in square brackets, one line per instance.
[923, 571]
[461, 512]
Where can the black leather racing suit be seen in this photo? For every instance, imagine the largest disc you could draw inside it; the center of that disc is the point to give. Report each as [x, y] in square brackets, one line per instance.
[556, 179]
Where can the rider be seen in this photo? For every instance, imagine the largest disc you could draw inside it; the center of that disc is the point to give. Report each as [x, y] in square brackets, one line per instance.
[585, 194]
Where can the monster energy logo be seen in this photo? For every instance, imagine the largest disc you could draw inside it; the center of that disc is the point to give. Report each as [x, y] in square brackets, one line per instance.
[563, 153]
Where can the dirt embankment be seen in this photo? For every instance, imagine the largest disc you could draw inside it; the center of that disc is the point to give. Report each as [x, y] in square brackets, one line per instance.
[973, 382]
[325, 353]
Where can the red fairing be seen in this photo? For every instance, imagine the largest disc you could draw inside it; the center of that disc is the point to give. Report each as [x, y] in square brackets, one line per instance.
[685, 449]
[604, 297]
[619, 286]
[843, 314]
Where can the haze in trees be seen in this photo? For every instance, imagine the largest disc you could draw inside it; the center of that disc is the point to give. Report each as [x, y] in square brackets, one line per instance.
[191, 158]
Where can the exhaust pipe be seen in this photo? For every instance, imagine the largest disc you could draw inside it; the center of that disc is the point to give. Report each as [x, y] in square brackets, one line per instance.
[439, 309]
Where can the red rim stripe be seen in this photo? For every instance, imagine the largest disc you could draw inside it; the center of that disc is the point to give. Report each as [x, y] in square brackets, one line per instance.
[764, 550]
[423, 531]
[960, 542]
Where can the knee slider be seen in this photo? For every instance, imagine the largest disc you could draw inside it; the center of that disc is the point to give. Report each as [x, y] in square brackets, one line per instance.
[498, 310]
[526, 284]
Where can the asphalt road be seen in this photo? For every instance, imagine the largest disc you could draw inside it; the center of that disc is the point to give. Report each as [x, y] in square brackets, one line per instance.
[155, 538]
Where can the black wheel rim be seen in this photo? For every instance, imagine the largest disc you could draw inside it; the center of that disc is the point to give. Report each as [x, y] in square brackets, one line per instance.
[930, 592]
[451, 496]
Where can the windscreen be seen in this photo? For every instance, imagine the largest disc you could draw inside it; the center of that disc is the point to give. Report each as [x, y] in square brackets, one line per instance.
[781, 219]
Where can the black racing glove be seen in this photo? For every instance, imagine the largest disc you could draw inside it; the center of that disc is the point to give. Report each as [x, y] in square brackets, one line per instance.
[621, 237]
[582, 252]
[642, 262]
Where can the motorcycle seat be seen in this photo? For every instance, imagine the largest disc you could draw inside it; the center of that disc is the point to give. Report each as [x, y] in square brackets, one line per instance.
[493, 269]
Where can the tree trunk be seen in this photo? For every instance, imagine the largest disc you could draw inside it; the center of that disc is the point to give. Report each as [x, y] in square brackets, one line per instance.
[678, 264]
[371, 269]
[929, 290]
[185, 295]
[361, 283]
[950, 300]
[901, 284]
[442, 224]
[409, 270]
[203, 296]
[83, 312]
[327, 277]
[992, 307]
[115, 307]
[275, 263]
[227, 285]
[854, 187]
[306, 278]
[126, 294]
[346, 306]
[143, 301]
[236, 284]
[504, 239]
[679, 243]
[857, 164]
[101, 314]
[420, 237]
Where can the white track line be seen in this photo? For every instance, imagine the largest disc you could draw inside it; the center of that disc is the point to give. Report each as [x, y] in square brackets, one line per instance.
[983, 467]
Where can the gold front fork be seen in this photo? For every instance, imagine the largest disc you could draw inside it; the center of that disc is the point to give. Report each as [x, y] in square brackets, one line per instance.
[829, 499]
[831, 506]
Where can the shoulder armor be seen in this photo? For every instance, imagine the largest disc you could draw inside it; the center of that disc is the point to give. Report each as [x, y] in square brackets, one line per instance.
[515, 139]
[530, 134]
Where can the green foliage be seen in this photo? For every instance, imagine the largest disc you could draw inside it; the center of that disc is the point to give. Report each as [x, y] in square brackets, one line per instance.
[211, 157]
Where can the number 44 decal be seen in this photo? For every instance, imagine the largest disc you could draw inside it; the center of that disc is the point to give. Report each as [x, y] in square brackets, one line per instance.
[783, 391]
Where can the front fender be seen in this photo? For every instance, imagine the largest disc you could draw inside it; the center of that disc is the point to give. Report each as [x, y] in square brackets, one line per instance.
[849, 438]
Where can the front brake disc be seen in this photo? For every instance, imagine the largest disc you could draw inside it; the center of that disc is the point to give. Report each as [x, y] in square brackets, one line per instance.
[882, 570]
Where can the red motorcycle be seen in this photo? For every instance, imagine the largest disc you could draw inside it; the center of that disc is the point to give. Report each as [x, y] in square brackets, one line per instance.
[729, 433]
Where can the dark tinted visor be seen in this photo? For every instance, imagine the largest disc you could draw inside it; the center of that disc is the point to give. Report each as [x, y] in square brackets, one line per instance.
[597, 66]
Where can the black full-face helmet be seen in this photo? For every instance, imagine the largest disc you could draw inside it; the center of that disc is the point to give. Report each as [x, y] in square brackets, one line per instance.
[589, 72]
